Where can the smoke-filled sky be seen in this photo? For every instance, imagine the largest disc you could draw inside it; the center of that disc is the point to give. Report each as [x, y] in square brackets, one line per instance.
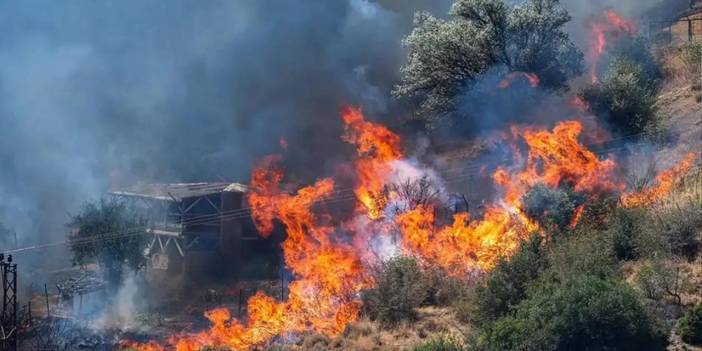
[101, 93]
[97, 93]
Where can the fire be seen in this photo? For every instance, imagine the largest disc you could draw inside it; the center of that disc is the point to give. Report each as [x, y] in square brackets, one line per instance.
[328, 272]
[330, 268]
[464, 246]
[607, 26]
[556, 158]
[665, 181]
[377, 147]
[532, 78]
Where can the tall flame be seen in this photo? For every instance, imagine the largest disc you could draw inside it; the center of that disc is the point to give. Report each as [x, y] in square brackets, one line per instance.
[377, 147]
[607, 26]
[555, 158]
[330, 268]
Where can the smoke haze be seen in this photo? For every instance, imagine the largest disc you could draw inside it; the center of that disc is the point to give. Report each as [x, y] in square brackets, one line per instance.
[101, 94]
[98, 94]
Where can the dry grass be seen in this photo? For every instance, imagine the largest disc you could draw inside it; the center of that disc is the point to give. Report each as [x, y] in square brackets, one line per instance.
[683, 200]
[681, 65]
[369, 335]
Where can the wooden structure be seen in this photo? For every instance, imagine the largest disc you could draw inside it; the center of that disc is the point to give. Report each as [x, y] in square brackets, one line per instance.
[195, 227]
[684, 27]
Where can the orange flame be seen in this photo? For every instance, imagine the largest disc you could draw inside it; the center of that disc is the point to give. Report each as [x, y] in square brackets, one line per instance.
[665, 181]
[377, 147]
[532, 78]
[463, 246]
[330, 271]
[608, 25]
[555, 158]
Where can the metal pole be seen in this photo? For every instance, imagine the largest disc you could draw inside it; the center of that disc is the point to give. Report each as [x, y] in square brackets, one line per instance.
[46, 296]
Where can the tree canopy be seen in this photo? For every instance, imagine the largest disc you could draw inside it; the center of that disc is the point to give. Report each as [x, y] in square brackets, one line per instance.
[445, 57]
[111, 234]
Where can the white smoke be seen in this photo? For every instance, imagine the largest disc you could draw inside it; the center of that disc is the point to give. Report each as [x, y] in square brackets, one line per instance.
[122, 313]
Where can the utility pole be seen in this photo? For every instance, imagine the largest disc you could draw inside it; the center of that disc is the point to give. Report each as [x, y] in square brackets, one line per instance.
[8, 319]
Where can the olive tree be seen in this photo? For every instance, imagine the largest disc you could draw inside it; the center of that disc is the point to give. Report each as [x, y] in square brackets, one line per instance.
[111, 234]
[445, 57]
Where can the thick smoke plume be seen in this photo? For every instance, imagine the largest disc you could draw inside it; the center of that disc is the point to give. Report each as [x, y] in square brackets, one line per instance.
[95, 95]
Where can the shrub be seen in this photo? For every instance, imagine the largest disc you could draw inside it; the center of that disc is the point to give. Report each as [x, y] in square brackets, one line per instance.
[584, 252]
[507, 284]
[443, 290]
[680, 224]
[690, 326]
[684, 63]
[439, 344]
[400, 288]
[551, 207]
[585, 313]
[625, 98]
[637, 50]
[626, 226]
[656, 279]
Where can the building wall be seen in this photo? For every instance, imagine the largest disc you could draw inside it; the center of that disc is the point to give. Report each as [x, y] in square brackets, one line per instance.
[683, 31]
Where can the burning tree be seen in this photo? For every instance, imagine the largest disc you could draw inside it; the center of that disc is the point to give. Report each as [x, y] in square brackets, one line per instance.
[111, 234]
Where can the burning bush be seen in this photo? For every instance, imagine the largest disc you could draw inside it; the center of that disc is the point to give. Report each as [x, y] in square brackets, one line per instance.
[551, 207]
[585, 313]
[690, 326]
[400, 287]
[625, 98]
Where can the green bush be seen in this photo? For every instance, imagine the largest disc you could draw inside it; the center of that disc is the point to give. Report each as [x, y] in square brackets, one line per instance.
[690, 326]
[551, 207]
[656, 279]
[507, 284]
[637, 50]
[444, 290]
[626, 226]
[585, 313]
[400, 288]
[584, 252]
[439, 344]
[681, 224]
[691, 55]
[625, 98]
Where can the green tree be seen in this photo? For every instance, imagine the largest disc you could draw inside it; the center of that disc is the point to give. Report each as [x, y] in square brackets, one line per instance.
[690, 326]
[585, 313]
[111, 234]
[447, 56]
[625, 98]
[507, 284]
[400, 288]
